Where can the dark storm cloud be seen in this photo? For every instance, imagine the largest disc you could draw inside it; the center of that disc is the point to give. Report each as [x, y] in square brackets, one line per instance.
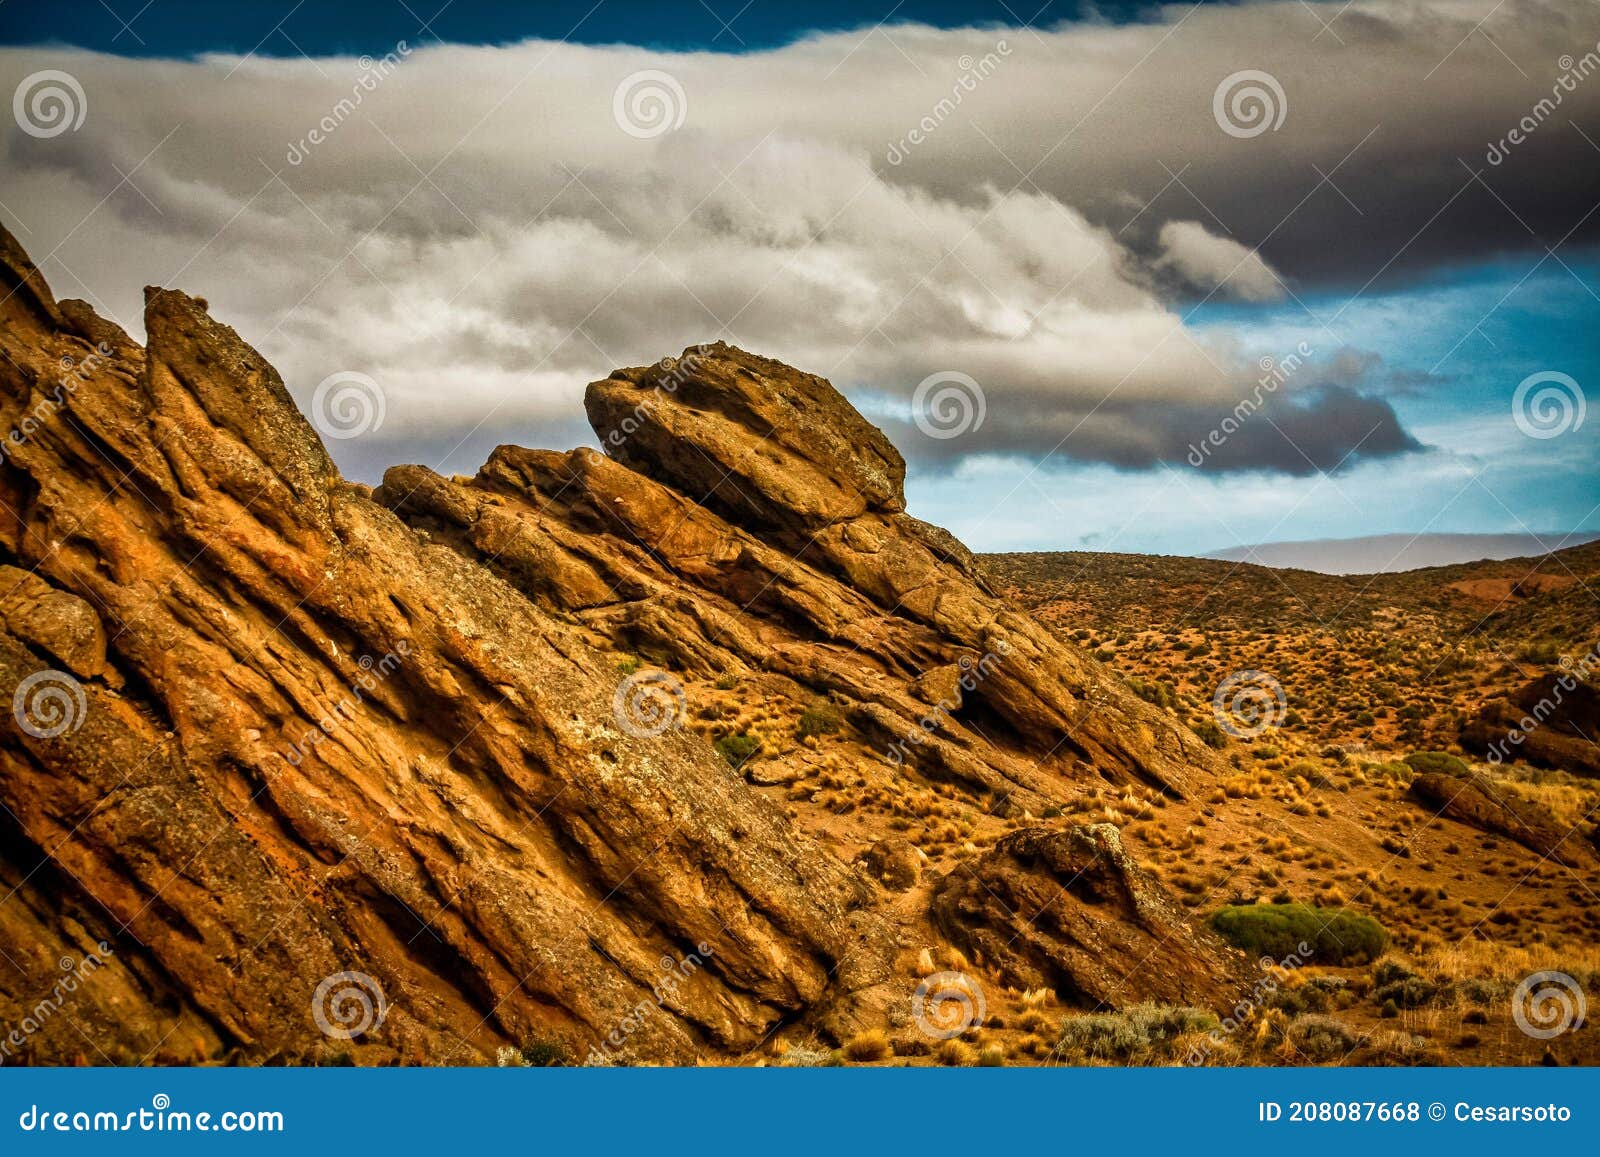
[1036, 209]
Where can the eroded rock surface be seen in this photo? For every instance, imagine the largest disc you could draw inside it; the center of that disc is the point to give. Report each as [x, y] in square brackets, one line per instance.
[1070, 911]
[291, 729]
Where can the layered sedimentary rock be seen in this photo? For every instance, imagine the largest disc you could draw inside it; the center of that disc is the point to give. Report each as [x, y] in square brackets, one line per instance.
[1070, 911]
[1553, 721]
[290, 758]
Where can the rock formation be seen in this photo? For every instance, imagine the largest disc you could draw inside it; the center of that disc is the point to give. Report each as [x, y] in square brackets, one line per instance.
[299, 758]
[1553, 721]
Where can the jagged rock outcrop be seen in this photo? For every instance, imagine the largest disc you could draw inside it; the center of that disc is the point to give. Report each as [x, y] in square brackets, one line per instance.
[746, 516]
[1070, 911]
[1553, 721]
[1476, 801]
[303, 756]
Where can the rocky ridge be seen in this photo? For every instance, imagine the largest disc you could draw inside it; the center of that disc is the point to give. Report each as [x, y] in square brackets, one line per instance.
[300, 757]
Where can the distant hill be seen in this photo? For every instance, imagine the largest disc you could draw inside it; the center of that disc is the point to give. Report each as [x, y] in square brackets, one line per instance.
[1389, 553]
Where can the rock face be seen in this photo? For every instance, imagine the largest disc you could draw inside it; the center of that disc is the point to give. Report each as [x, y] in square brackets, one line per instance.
[1550, 722]
[298, 758]
[1474, 800]
[1070, 911]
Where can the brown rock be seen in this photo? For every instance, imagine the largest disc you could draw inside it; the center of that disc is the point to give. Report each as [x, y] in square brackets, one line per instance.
[1476, 801]
[1550, 722]
[1070, 911]
[326, 730]
[895, 863]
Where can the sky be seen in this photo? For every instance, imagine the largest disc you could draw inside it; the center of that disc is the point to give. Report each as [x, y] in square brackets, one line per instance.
[1166, 279]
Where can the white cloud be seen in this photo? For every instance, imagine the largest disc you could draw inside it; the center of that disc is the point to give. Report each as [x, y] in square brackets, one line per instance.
[1208, 262]
[479, 235]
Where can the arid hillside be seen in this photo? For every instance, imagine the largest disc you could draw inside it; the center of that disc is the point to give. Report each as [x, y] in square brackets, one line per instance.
[703, 750]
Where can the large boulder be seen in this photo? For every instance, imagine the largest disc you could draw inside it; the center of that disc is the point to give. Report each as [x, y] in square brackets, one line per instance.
[1070, 911]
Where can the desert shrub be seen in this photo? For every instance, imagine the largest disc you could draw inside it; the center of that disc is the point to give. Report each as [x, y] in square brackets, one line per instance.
[801, 1057]
[1277, 930]
[628, 664]
[727, 682]
[1435, 762]
[1156, 691]
[544, 1052]
[1322, 1038]
[954, 1053]
[1210, 734]
[1144, 1029]
[872, 1045]
[817, 721]
[1395, 984]
[736, 749]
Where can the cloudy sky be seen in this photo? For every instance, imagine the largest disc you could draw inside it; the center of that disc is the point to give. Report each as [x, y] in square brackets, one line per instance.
[1053, 254]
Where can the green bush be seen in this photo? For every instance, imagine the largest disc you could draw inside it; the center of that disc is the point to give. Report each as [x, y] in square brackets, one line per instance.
[1321, 1038]
[1210, 734]
[1141, 1030]
[1436, 762]
[1277, 930]
[736, 749]
[727, 682]
[817, 721]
